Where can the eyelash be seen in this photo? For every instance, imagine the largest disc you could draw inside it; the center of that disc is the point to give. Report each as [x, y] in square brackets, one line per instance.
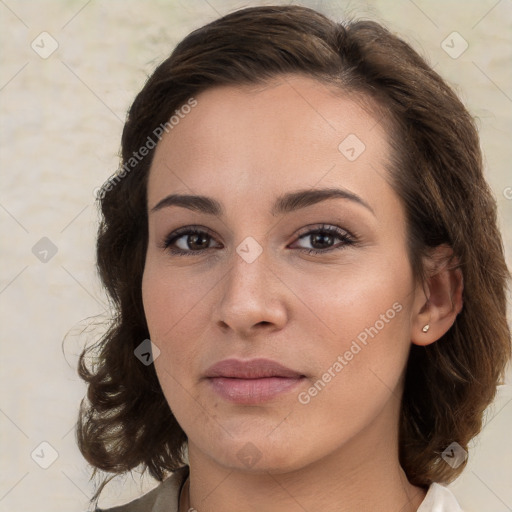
[346, 238]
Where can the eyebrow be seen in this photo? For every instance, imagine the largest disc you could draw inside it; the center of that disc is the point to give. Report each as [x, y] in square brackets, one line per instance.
[285, 203]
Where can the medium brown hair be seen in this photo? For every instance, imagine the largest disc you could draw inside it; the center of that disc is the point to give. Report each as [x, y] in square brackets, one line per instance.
[436, 169]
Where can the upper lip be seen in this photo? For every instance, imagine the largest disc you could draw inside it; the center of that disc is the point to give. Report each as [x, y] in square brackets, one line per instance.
[250, 369]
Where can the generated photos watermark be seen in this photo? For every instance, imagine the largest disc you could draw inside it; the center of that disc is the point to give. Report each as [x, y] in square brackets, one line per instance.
[361, 341]
[151, 142]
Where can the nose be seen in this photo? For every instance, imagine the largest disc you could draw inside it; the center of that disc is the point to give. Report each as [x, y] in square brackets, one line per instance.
[252, 298]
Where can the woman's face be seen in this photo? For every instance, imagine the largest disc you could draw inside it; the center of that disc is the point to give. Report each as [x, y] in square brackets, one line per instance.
[243, 285]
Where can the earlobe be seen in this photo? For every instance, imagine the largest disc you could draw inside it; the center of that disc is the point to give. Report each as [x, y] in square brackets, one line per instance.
[440, 301]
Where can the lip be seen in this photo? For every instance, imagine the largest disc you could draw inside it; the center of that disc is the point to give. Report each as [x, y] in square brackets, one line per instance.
[253, 381]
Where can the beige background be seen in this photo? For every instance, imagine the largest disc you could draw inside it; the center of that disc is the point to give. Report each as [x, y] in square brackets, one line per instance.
[61, 119]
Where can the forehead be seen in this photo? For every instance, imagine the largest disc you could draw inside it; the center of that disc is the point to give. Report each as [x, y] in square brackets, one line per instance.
[292, 132]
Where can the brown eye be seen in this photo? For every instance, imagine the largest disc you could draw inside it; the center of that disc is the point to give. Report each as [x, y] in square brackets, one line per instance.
[193, 241]
[187, 241]
[323, 239]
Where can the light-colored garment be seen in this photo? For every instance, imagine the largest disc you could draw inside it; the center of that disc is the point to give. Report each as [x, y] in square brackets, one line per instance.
[164, 498]
[439, 499]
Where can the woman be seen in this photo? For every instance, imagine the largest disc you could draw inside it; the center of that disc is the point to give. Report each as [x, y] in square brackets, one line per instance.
[308, 278]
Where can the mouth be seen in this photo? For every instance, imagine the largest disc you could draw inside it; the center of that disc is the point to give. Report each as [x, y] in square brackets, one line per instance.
[253, 381]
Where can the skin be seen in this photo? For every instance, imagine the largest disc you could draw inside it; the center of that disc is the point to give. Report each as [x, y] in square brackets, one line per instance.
[245, 146]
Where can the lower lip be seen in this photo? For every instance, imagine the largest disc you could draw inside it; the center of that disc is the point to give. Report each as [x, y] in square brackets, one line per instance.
[253, 391]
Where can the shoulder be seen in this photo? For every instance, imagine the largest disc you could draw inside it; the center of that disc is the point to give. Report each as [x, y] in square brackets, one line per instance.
[163, 498]
[439, 499]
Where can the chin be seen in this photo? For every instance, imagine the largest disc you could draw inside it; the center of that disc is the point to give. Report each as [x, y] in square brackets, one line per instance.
[247, 457]
[255, 452]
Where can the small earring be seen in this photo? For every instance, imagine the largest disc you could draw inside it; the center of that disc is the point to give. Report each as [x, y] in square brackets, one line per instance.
[426, 328]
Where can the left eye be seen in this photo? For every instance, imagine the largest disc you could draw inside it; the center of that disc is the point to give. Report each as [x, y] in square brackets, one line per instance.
[322, 240]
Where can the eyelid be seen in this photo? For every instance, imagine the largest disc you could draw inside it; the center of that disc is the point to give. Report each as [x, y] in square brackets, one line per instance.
[323, 226]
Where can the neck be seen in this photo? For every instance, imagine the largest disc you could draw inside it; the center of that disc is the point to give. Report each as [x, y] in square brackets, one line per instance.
[363, 474]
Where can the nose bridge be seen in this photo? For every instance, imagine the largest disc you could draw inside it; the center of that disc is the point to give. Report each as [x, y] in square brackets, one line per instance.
[248, 293]
[247, 275]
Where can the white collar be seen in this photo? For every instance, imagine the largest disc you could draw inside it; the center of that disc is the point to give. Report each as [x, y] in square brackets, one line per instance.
[439, 499]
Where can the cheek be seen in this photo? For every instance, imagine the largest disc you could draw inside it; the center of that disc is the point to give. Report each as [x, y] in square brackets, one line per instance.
[359, 358]
[168, 305]
[173, 298]
[344, 300]
[176, 306]
[359, 319]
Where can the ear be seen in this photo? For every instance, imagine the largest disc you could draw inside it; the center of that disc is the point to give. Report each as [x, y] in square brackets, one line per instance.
[438, 300]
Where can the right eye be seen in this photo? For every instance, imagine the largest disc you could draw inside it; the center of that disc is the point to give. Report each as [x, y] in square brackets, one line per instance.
[188, 241]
